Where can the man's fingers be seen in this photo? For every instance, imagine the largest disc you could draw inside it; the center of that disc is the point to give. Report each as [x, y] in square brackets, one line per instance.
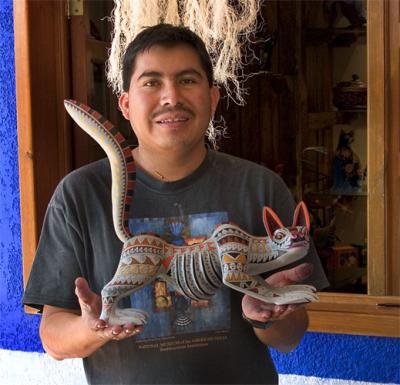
[294, 275]
[262, 315]
[282, 311]
[301, 272]
[118, 333]
[84, 294]
[257, 310]
[81, 288]
[97, 324]
[132, 328]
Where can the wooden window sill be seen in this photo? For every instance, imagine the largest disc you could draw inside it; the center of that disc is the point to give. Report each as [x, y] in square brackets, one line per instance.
[355, 314]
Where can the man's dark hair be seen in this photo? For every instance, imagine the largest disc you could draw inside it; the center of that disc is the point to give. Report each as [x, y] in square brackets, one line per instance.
[165, 35]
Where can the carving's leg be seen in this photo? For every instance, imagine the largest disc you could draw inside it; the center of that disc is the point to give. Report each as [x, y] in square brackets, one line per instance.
[138, 267]
[111, 294]
[235, 278]
[283, 295]
[276, 295]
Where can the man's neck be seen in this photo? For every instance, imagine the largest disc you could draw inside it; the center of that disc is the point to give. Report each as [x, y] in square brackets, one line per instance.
[168, 166]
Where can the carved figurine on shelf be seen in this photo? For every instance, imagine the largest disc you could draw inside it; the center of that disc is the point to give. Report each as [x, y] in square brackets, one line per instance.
[325, 237]
[267, 48]
[347, 173]
[230, 256]
[352, 10]
[264, 43]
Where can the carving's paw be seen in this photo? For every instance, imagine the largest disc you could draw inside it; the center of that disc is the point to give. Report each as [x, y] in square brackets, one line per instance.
[289, 294]
[125, 316]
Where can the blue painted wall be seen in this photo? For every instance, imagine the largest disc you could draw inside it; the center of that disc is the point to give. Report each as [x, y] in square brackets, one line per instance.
[18, 331]
[374, 359]
[321, 355]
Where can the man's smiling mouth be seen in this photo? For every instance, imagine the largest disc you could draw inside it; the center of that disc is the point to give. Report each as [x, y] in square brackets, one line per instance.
[172, 120]
[172, 115]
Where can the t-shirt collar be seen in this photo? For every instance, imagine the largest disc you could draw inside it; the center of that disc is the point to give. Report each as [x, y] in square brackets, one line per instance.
[165, 187]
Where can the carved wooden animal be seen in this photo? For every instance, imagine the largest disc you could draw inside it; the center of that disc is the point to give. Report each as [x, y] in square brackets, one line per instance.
[230, 256]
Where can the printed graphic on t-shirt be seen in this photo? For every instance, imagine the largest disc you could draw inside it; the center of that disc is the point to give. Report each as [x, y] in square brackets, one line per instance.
[172, 314]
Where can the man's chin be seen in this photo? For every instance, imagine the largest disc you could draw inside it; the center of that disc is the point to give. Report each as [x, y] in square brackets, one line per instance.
[181, 145]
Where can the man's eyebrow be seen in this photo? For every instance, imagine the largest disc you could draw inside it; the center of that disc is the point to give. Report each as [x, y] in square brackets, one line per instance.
[156, 74]
[190, 71]
[150, 74]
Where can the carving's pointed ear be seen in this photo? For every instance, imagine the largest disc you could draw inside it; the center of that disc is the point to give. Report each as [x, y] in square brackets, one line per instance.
[271, 221]
[301, 216]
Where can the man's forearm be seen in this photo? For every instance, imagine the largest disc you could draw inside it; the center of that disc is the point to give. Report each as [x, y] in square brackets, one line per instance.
[287, 333]
[66, 335]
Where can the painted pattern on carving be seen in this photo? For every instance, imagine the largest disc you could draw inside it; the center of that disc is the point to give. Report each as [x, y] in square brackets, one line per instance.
[171, 313]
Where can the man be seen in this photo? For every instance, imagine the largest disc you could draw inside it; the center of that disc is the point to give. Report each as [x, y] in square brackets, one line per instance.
[182, 191]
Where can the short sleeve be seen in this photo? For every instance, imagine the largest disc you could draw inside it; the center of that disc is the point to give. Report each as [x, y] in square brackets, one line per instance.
[56, 264]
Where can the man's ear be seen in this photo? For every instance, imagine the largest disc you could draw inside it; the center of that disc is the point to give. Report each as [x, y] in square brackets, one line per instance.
[214, 93]
[123, 103]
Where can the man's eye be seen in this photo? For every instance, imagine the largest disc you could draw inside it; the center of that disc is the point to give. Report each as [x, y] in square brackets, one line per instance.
[151, 83]
[188, 81]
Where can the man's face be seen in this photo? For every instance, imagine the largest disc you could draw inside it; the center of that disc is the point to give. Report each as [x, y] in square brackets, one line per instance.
[169, 102]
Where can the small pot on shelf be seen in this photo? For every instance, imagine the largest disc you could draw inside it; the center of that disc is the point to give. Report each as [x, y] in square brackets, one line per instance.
[350, 95]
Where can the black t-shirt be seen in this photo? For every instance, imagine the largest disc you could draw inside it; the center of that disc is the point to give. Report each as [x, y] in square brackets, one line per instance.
[185, 342]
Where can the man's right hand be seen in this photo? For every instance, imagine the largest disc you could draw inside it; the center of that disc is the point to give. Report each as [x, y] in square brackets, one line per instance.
[90, 304]
[68, 333]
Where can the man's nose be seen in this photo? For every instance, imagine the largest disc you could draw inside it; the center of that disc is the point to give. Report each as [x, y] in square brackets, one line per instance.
[170, 94]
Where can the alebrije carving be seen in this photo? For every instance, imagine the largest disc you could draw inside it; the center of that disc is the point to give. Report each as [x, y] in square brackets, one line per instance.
[230, 256]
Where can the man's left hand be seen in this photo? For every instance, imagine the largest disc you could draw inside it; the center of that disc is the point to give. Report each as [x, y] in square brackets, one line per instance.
[260, 311]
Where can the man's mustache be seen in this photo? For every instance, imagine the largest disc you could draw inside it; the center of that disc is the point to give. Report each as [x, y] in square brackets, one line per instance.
[168, 109]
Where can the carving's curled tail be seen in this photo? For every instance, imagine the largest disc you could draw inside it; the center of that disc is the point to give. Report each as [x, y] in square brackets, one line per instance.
[120, 157]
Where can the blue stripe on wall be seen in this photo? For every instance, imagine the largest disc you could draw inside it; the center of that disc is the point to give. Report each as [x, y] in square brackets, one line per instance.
[322, 355]
[18, 331]
[374, 359]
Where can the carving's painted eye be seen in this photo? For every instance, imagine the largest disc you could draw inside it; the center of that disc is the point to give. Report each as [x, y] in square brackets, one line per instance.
[279, 235]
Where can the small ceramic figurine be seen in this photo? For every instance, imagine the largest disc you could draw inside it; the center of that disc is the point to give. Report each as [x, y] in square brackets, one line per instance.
[347, 172]
[230, 256]
[352, 10]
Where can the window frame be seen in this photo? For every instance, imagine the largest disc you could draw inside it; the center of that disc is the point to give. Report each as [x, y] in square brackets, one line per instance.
[43, 28]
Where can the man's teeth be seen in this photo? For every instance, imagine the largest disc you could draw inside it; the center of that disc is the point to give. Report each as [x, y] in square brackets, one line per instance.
[173, 120]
